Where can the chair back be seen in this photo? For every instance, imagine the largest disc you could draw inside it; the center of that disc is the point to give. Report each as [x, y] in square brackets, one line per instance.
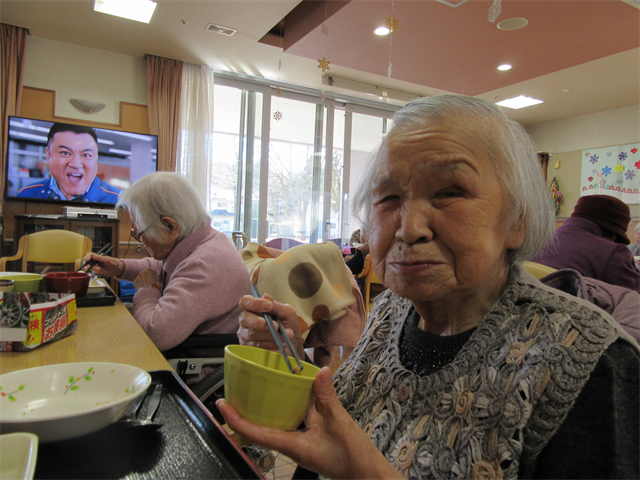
[370, 278]
[51, 246]
[537, 269]
[282, 243]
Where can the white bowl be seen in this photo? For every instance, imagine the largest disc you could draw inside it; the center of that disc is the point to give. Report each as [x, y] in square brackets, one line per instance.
[18, 453]
[96, 286]
[67, 400]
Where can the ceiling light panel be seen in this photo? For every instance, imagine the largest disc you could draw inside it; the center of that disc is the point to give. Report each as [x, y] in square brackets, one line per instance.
[138, 10]
[519, 102]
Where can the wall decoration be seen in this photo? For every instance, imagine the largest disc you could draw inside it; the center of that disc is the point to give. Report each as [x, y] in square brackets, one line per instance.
[556, 195]
[612, 171]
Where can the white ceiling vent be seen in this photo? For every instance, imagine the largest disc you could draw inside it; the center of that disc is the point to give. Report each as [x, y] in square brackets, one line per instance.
[220, 29]
[633, 3]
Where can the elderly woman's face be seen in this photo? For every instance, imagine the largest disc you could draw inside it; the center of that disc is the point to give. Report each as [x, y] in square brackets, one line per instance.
[159, 249]
[438, 222]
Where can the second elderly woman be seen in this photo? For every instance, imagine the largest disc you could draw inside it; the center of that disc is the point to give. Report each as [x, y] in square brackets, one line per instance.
[468, 366]
[195, 278]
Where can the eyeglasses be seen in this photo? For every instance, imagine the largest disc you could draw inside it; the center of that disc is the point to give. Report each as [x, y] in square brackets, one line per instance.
[136, 234]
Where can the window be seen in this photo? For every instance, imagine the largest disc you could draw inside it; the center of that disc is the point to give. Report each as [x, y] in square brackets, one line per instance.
[273, 175]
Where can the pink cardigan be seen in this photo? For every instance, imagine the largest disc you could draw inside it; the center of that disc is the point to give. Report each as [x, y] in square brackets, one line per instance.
[205, 278]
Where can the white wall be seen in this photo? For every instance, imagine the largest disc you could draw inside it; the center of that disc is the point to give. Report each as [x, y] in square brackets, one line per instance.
[604, 129]
[86, 73]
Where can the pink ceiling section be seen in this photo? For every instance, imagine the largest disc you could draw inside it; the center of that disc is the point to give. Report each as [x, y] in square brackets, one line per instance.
[458, 50]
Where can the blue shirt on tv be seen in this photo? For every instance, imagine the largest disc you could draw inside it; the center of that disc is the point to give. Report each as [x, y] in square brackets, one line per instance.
[99, 191]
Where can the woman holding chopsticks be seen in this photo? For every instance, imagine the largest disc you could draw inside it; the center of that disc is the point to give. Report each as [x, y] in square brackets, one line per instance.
[194, 278]
[468, 366]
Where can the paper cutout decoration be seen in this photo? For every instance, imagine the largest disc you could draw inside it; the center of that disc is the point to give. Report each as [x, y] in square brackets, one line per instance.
[556, 195]
[323, 63]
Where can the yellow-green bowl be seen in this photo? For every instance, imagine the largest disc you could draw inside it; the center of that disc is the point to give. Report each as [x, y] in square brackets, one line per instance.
[24, 282]
[259, 385]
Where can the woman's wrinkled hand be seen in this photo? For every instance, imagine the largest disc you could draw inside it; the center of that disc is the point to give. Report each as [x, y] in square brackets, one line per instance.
[254, 330]
[146, 279]
[105, 266]
[332, 444]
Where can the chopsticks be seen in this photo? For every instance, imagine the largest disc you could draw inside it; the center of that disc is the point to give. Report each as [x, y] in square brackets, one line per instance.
[103, 251]
[270, 322]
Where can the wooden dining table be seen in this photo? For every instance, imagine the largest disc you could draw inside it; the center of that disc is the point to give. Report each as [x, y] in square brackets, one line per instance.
[104, 334]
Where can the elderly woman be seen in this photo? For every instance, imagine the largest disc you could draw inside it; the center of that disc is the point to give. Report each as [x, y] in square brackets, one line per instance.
[196, 277]
[468, 366]
[635, 247]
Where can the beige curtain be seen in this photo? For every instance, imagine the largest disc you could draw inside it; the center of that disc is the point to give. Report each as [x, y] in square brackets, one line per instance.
[164, 85]
[195, 139]
[13, 41]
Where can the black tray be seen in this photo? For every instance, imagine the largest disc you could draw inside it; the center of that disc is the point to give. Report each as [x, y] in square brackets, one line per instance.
[189, 445]
[103, 299]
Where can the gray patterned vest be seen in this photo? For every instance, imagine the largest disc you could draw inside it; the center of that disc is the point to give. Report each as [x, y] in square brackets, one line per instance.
[497, 404]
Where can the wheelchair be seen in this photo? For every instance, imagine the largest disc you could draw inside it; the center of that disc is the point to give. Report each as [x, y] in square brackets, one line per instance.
[187, 361]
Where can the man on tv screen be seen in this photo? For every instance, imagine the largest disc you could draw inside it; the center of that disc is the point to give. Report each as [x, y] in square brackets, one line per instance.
[72, 157]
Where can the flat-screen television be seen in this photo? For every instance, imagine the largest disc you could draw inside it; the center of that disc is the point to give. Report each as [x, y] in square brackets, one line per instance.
[64, 163]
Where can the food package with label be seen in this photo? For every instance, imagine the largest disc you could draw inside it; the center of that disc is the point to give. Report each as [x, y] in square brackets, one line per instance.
[28, 320]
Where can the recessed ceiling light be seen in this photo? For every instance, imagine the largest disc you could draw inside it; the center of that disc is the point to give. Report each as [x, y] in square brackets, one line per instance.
[519, 102]
[381, 31]
[138, 10]
[514, 23]
[504, 67]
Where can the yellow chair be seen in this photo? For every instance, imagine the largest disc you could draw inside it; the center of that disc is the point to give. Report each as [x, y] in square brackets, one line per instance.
[50, 246]
[537, 269]
[370, 278]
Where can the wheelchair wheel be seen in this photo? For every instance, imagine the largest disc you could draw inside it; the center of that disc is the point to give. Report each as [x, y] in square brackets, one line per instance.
[209, 389]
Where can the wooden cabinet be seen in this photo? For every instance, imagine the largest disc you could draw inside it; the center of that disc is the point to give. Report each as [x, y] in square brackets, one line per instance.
[100, 230]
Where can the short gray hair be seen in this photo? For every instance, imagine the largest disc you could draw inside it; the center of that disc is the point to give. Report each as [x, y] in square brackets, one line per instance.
[164, 194]
[508, 145]
[637, 227]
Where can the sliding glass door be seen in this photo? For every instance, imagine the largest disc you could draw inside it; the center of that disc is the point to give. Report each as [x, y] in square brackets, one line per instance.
[285, 162]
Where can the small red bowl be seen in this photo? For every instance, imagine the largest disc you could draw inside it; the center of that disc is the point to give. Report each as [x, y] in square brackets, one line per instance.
[67, 282]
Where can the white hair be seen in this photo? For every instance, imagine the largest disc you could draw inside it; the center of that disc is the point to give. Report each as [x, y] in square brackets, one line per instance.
[508, 146]
[163, 194]
[637, 229]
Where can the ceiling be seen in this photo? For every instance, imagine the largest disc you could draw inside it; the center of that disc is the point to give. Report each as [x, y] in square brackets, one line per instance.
[578, 56]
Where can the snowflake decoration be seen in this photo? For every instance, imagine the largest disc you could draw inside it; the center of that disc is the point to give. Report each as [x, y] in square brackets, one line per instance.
[277, 116]
[637, 164]
[494, 11]
[609, 154]
[590, 179]
[594, 171]
[278, 91]
[325, 30]
[622, 157]
[619, 168]
[634, 150]
[323, 64]
[629, 174]
[392, 23]
[279, 64]
[606, 171]
[390, 70]
[619, 181]
[594, 158]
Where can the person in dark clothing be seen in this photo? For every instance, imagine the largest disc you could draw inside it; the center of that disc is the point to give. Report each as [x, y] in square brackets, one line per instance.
[593, 242]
